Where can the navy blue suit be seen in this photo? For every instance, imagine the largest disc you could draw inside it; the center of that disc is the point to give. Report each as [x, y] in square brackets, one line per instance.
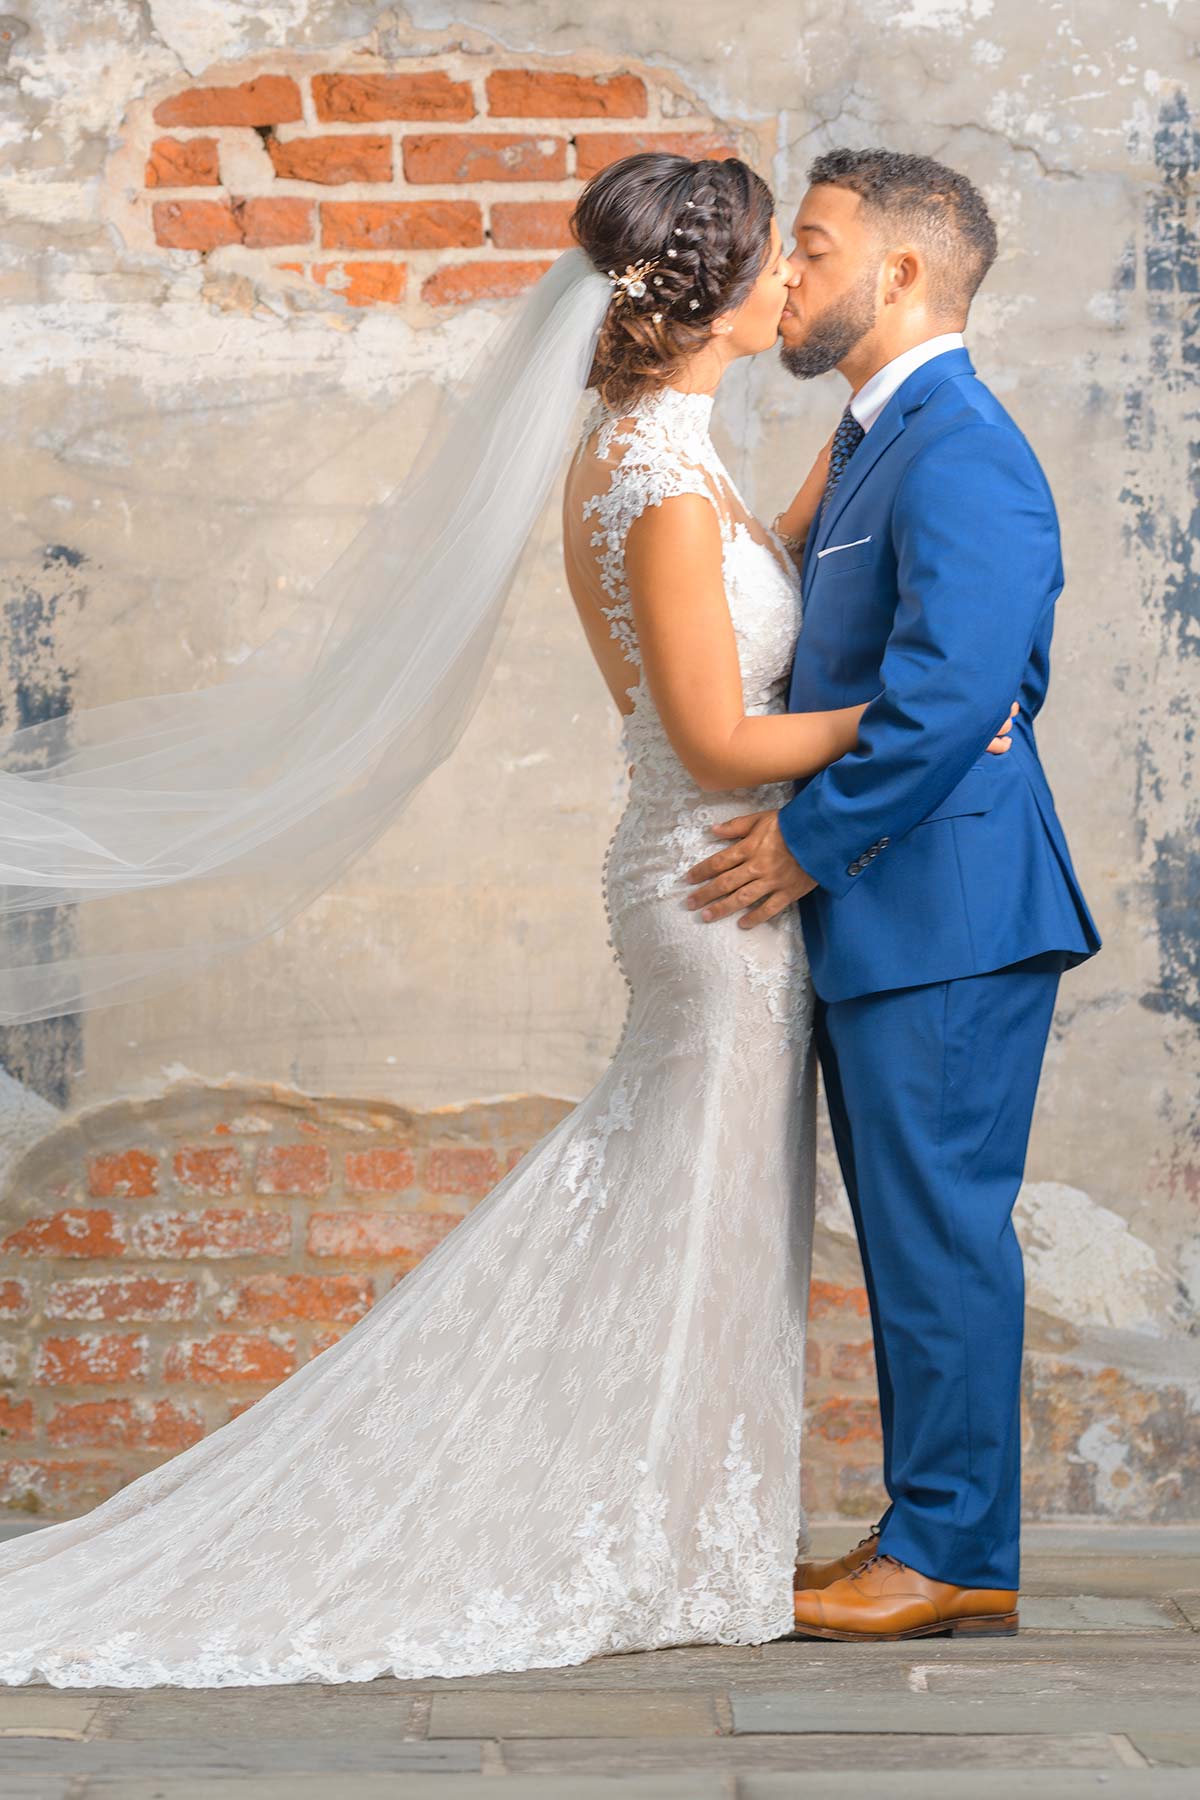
[946, 909]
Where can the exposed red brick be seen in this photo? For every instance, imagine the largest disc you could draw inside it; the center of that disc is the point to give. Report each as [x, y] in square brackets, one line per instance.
[845, 1420]
[199, 1169]
[215, 1232]
[292, 1169]
[360, 283]
[82, 1361]
[380, 1171]
[401, 1236]
[16, 1418]
[332, 159]
[237, 1407]
[14, 1298]
[531, 224]
[125, 1175]
[264, 1299]
[852, 1362]
[400, 224]
[35, 1485]
[461, 283]
[125, 1424]
[68, 1233]
[228, 1356]
[121, 1297]
[426, 95]
[326, 1339]
[284, 219]
[594, 150]
[483, 156]
[194, 224]
[183, 162]
[267, 100]
[826, 1300]
[462, 1169]
[555, 94]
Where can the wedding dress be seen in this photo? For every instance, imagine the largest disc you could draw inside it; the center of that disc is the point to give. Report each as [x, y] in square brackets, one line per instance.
[575, 1427]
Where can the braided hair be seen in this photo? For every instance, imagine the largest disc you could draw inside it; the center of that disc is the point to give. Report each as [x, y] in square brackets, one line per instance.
[705, 229]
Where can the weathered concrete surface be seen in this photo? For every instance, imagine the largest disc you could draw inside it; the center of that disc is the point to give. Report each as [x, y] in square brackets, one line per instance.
[1061, 1709]
[184, 450]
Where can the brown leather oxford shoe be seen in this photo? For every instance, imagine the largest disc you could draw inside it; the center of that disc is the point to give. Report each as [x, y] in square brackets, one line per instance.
[885, 1600]
[821, 1574]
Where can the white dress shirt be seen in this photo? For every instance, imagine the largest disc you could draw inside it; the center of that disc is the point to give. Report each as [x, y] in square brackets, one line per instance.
[877, 390]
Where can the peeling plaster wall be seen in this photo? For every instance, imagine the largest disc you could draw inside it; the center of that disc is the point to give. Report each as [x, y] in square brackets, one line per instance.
[182, 452]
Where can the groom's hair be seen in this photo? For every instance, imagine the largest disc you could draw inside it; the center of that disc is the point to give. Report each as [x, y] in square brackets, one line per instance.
[935, 206]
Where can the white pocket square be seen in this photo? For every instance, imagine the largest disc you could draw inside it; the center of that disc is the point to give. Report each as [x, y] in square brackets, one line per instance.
[830, 548]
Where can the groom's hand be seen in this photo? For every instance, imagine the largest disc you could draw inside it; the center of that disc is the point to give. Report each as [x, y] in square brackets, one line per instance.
[757, 870]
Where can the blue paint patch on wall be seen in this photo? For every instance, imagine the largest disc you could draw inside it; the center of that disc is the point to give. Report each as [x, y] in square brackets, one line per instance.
[1163, 536]
[36, 686]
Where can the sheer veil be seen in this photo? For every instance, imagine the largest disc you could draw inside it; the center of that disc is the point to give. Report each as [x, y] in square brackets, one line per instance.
[251, 795]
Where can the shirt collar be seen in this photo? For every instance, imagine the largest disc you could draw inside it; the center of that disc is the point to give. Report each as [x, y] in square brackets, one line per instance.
[877, 390]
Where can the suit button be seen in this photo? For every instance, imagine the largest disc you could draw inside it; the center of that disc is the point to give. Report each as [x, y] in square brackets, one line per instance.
[853, 869]
[884, 842]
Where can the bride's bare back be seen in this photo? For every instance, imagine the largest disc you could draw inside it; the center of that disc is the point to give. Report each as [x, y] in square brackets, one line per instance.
[598, 455]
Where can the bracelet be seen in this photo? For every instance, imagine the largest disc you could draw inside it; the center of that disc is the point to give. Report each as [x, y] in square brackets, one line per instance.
[795, 545]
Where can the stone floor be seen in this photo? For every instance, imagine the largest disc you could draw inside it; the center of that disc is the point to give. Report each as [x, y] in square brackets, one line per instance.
[1099, 1694]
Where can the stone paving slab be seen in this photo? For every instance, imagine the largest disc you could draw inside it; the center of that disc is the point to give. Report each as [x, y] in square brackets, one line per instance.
[1175, 1749]
[692, 1786]
[661, 1714]
[301, 1711]
[931, 1713]
[39, 1713]
[760, 1754]
[1113, 1575]
[986, 1784]
[1098, 1612]
[1188, 1603]
[189, 1756]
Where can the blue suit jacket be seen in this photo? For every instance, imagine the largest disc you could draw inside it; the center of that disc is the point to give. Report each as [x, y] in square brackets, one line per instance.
[929, 588]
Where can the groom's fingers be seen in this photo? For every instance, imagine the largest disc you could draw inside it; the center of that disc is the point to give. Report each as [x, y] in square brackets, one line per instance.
[769, 909]
[735, 902]
[735, 827]
[733, 883]
[720, 864]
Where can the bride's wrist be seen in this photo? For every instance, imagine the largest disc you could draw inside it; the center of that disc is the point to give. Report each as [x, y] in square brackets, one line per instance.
[791, 540]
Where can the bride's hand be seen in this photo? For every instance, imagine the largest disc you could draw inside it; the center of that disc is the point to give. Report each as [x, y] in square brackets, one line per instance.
[1002, 741]
[796, 519]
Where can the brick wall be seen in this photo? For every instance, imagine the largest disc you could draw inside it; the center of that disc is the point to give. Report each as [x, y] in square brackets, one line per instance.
[166, 1262]
[442, 183]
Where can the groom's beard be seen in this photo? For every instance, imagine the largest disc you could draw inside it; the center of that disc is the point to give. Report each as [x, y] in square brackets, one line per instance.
[834, 332]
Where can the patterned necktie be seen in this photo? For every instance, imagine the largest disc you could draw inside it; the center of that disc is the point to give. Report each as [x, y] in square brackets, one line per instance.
[846, 439]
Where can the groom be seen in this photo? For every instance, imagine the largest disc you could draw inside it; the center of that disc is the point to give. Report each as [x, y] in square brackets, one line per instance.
[938, 900]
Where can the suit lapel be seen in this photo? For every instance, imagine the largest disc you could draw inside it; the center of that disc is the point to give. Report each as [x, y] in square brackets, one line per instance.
[912, 393]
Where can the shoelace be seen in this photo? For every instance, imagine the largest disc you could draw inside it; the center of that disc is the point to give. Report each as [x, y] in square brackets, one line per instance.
[880, 1556]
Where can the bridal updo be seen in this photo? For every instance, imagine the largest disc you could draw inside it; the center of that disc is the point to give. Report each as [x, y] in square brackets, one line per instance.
[707, 226]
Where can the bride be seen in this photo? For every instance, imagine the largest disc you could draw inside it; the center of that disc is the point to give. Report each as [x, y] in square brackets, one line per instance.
[575, 1427]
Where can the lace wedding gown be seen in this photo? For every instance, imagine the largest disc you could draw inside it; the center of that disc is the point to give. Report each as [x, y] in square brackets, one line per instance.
[574, 1428]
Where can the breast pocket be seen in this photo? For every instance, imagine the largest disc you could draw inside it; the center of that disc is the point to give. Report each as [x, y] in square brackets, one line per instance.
[838, 559]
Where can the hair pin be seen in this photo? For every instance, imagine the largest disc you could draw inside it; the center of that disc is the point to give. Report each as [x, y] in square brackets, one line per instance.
[632, 282]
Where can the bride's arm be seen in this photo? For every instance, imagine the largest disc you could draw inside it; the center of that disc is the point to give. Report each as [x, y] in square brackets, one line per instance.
[794, 521]
[673, 564]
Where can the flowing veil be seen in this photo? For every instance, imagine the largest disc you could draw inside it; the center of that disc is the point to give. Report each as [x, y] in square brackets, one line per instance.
[254, 793]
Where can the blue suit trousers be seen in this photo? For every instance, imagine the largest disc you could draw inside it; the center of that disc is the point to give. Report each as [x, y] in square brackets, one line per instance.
[931, 1093]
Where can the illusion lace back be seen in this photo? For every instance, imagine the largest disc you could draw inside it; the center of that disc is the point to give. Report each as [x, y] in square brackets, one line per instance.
[574, 1428]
